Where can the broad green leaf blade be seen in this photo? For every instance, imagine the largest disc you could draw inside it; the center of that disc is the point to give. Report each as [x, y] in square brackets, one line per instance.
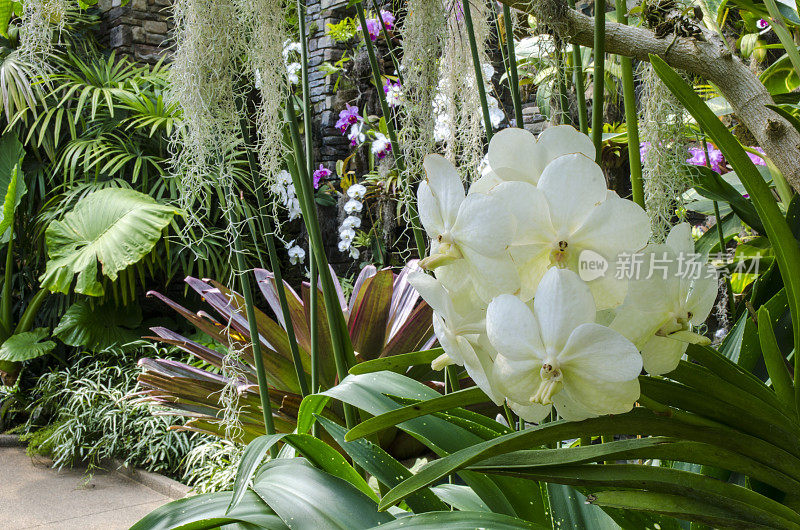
[710, 184]
[305, 497]
[251, 458]
[459, 521]
[570, 510]
[397, 363]
[460, 497]
[12, 181]
[206, 512]
[9, 205]
[382, 466]
[25, 346]
[99, 326]
[5, 16]
[678, 506]
[116, 227]
[461, 398]
[780, 235]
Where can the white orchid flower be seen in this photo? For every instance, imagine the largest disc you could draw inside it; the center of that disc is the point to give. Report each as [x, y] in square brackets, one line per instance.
[460, 326]
[673, 290]
[557, 355]
[568, 213]
[356, 191]
[353, 206]
[470, 235]
[516, 155]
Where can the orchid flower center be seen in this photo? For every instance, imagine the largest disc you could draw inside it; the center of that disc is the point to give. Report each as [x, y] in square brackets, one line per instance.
[558, 256]
[675, 322]
[551, 384]
[446, 252]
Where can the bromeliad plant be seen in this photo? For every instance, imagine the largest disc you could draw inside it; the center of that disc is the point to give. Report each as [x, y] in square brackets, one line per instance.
[383, 319]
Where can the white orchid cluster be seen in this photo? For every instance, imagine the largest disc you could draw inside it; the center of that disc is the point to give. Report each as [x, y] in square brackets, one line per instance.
[291, 59]
[526, 290]
[347, 231]
[296, 253]
[441, 126]
[285, 192]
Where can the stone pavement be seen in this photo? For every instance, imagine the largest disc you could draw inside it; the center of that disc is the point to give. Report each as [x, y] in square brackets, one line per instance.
[32, 495]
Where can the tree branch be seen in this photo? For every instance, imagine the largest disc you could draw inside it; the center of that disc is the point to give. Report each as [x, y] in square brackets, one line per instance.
[709, 59]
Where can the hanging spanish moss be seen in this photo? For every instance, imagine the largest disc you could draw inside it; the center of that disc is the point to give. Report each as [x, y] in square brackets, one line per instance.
[203, 75]
[423, 34]
[264, 56]
[460, 124]
[40, 31]
[662, 122]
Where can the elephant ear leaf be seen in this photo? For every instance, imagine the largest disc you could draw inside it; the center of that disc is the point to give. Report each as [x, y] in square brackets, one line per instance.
[12, 185]
[25, 346]
[116, 227]
[99, 326]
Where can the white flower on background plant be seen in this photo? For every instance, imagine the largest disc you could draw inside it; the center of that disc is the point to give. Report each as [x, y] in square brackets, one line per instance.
[571, 211]
[459, 325]
[557, 355]
[356, 191]
[353, 206]
[381, 145]
[347, 234]
[351, 222]
[470, 235]
[496, 114]
[293, 73]
[344, 245]
[293, 205]
[356, 134]
[354, 253]
[516, 155]
[296, 254]
[284, 178]
[675, 289]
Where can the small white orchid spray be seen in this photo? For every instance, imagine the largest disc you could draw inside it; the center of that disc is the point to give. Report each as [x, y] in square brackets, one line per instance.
[512, 301]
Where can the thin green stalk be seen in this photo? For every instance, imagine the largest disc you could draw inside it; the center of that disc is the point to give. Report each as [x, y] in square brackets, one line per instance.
[476, 65]
[599, 75]
[580, 89]
[272, 251]
[513, 77]
[721, 238]
[313, 317]
[631, 117]
[389, 44]
[419, 237]
[563, 99]
[255, 342]
[340, 341]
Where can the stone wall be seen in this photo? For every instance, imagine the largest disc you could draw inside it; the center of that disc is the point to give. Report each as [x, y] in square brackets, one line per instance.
[139, 29]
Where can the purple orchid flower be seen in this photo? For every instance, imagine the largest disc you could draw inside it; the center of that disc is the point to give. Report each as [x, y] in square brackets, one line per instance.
[348, 117]
[321, 173]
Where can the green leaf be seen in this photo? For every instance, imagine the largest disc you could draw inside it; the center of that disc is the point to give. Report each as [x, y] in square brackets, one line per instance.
[463, 398]
[569, 509]
[251, 458]
[773, 358]
[460, 497]
[115, 226]
[5, 16]
[201, 512]
[780, 235]
[678, 506]
[381, 465]
[99, 326]
[397, 363]
[306, 497]
[25, 346]
[12, 183]
[788, 116]
[712, 185]
[459, 521]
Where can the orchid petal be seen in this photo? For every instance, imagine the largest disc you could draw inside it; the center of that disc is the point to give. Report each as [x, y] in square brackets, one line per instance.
[515, 156]
[445, 185]
[597, 352]
[512, 329]
[573, 185]
[563, 302]
[661, 355]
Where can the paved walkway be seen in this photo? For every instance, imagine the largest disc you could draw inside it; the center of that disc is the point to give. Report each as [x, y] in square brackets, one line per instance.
[32, 495]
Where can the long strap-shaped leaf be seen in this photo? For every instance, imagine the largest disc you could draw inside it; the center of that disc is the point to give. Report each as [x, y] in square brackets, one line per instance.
[780, 235]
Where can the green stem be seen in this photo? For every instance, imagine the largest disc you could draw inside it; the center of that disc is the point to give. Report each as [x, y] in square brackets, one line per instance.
[340, 341]
[312, 261]
[419, 237]
[599, 75]
[272, 251]
[631, 117]
[389, 44]
[255, 341]
[513, 77]
[580, 89]
[29, 315]
[476, 65]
